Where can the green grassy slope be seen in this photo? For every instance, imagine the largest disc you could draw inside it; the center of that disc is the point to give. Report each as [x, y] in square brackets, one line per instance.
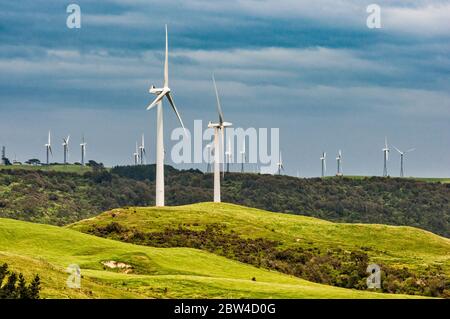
[393, 245]
[157, 272]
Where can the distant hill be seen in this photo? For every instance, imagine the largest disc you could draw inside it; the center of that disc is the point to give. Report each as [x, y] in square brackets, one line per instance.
[413, 261]
[146, 272]
[60, 198]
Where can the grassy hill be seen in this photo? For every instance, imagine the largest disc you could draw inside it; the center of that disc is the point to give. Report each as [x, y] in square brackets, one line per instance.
[60, 198]
[155, 273]
[310, 248]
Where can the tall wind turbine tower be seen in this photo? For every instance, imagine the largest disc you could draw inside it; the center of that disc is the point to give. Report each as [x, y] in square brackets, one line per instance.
[402, 157]
[142, 150]
[48, 147]
[218, 136]
[160, 94]
[386, 151]
[339, 163]
[280, 164]
[66, 148]
[323, 159]
[83, 151]
[243, 156]
[228, 155]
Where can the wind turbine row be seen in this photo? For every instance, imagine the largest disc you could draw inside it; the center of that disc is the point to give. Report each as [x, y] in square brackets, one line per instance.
[65, 144]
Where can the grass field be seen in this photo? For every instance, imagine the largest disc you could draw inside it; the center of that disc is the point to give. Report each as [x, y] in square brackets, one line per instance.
[157, 272]
[69, 168]
[394, 245]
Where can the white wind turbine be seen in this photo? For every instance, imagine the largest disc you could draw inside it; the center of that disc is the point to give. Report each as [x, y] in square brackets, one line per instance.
[218, 136]
[136, 155]
[83, 151]
[65, 145]
[243, 156]
[386, 151]
[228, 155]
[48, 147]
[339, 163]
[142, 150]
[280, 164]
[402, 155]
[323, 159]
[160, 94]
[209, 151]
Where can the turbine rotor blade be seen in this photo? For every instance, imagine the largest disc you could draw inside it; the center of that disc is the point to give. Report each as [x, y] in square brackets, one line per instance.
[219, 108]
[397, 150]
[169, 97]
[156, 100]
[166, 63]
[410, 150]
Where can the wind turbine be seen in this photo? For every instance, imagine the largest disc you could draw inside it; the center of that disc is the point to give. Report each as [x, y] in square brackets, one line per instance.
[339, 163]
[280, 164]
[323, 159]
[66, 148]
[228, 155]
[160, 94]
[142, 150]
[402, 155]
[218, 134]
[136, 155]
[83, 151]
[48, 147]
[209, 150]
[243, 156]
[386, 151]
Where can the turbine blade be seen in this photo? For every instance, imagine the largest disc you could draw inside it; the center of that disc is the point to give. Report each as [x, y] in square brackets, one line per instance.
[397, 149]
[410, 150]
[156, 100]
[166, 63]
[219, 108]
[50, 149]
[169, 97]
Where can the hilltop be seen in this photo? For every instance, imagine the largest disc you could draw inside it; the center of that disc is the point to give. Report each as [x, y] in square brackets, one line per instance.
[60, 198]
[150, 272]
[413, 261]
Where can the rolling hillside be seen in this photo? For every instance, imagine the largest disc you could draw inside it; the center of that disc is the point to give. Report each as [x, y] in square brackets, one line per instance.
[286, 242]
[154, 273]
[61, 198]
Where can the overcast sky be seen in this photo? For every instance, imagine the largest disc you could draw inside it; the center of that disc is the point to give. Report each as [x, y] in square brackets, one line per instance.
[311, 68]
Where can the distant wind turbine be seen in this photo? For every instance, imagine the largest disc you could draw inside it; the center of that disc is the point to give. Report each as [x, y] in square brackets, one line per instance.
[243, 156]
[323, 160]
[386, 151]
[280, 164]
[48, 147]
[218, 136]
[402, 155]
[228, 155]
[208, 164]
[83, 151]
[136, 155]
[160, 94]
[339, 163]
[66, 148]
[142, 150]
